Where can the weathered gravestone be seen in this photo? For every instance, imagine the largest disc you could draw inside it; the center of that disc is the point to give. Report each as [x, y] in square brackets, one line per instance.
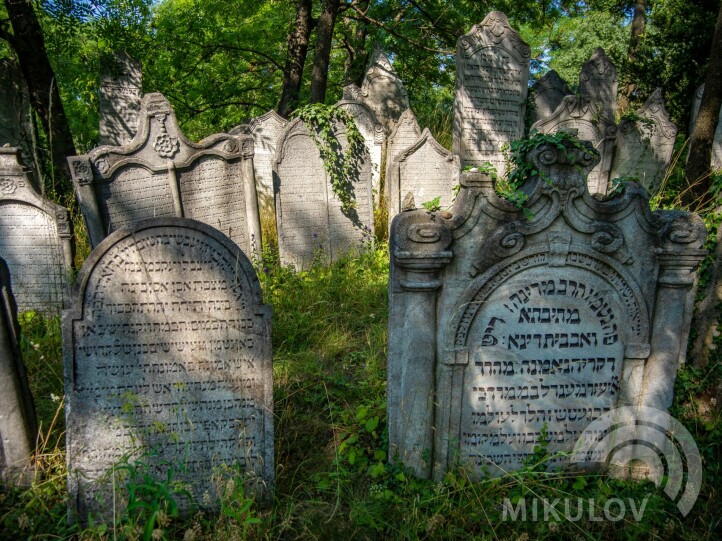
[167, 361]
[577, 115]
[548, 93]
[506, 330]
[265, 130]
[426, 170]
[372, 132]
[35, 240]
[121, 89]
[492, 70]
[18, 429]
[717, 143]
[383, 91]
[598, 80]
[644, 146]
[309, 215]
[161, 173]
[405, 133]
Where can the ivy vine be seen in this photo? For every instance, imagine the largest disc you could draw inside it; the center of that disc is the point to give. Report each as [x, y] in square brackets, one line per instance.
[339, 166]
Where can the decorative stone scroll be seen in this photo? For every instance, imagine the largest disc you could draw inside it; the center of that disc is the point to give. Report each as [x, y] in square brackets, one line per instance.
[160, 173]
[121, 89]
[35, 240]
[383, 91]
[405, 133]
[18, 429]
[548, 93]
[372, 132]
[578, 116]
[492, 70]
[309, 215]
[717, 142]
[426, 170]
[644, 146]
[507, 331]
[598, 80]
[168, 361]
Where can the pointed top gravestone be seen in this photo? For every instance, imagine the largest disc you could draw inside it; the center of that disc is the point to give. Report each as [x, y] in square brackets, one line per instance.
[492, 71]
[548, 93]
[373, 133]
[405, 133]
[598, 80]
[383, 91]
[120, 95]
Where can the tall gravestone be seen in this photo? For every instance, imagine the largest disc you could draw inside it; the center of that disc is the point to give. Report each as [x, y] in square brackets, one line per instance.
[598, 80]
[644, 146]
[717, 142]
[506, 331]
[168, 361]
[426, 170]
[309, 215]
[35, 240]
[372, 132]
[383, 91]
[405, 133]
[548, 93]
[160, 173]
[578, 116]
[265, 130]
[492, 70]
[18, 429]
[121, 89]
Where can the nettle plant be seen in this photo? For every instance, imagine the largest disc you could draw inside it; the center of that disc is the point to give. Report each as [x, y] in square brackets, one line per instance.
[339, 166]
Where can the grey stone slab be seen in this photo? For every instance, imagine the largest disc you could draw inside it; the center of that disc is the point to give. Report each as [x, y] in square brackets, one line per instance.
[717, 142]
[644, 146]
[35, 240]
[405, 133]
[492, 71]
[548, 93]
[578, 116]
[168, 358]
[18, 429]
[508, 326]
[160, 173]
[426, 170]
[383, 91]
[598, 80]
[309, 215]
[373, 133]
[121, 89]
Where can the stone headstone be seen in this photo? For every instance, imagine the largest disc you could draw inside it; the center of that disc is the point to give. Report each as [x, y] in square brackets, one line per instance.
[351, 92]
[265, 130]
[35, 240]
[18, 429]
[121, 90]
[383, 91]
[548, 93]
[405, 133]
[509, 327]
[492, 70]
[644, 146]
[160, 173]
[426, 170]
[717, 142]
[577, 115]
[309, 214]
[372, 132]
[598, 80]
[168, 361]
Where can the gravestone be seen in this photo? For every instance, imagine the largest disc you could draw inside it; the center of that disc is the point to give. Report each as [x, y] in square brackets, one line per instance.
[577, 115]
[18, 429]
[351, 92]
[598, 80]
[160, 173]
[509, 327]
[167, 360]
[309, 215]
[426, 170]
[492, 70]
[405, 133]
[644, 146]
[372, 132]
[35, 240]
[121, 90]
[383, 91]
[717, 143]
[548, 93]
[265, 130]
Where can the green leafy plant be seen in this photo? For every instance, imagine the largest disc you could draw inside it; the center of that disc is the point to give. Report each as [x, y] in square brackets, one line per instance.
[433, 205]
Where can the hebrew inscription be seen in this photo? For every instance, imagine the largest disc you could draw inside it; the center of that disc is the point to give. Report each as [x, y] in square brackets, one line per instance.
[120, 95]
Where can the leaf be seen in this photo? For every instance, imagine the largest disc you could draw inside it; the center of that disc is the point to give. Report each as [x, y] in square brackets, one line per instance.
[371, 424]
[580, 483]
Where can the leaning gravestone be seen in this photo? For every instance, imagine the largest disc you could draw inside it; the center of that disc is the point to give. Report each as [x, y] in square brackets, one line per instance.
[372, 132]
[35, 240]
[717, 143]
[167, 361]
[598, 80]
[426, 170]
[309, 215]
[548, 93]
[160, 173]
[405, 133]
[18, 429]
[644, 146]
[492, 70]
[577, 115]
[120, 95]
[383, 91]
[506, 330]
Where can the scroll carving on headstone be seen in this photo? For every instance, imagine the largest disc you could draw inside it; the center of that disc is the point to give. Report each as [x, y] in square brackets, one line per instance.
[383, 91]
[548, 93]
[598, 80]
[512, 328]
[121, 89]
[160, 173]
[372, 132]
[167, 361]
[35, 240]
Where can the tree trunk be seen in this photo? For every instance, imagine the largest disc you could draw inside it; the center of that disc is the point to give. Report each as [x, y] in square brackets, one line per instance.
[296, 58]
[29, 45]
[324, 37]
[697, 175]
[638, 23]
